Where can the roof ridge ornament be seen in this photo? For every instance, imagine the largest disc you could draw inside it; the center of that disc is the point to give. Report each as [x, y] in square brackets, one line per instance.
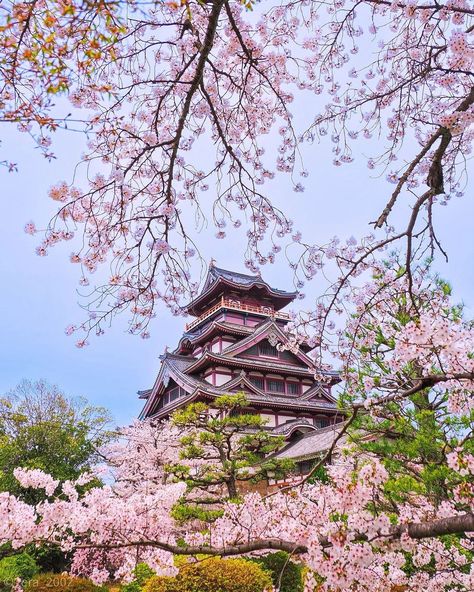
[273, 338]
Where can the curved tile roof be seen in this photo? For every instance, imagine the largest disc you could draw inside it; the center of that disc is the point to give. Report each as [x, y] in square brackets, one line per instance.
[259, 364]
[290, 426]
[239, 278]
[216, 276]
[313, 444]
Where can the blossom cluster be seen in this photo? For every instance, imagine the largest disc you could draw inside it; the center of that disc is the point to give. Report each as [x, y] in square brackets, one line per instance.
[154, 89]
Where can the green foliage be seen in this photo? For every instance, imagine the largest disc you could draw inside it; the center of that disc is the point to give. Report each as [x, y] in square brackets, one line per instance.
[49, 557]
[411, 436]
[287, 576]
[184, 511]
[52, 582]
[214, 575]
[320, 475]
[420, 433]
[42, 428]
[21, 566]
[222, 447]
[141, 574]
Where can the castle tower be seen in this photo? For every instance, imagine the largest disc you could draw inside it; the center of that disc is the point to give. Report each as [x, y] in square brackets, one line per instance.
[231, 346]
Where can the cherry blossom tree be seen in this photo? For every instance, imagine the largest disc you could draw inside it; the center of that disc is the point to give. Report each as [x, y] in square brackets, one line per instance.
[381, 520]
[153, 84]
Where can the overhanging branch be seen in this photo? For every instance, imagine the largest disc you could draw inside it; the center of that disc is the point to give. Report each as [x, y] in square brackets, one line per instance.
[459, 524]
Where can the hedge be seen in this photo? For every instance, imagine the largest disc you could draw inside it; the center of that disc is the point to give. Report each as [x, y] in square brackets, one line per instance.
[214, 575]
[52, 582]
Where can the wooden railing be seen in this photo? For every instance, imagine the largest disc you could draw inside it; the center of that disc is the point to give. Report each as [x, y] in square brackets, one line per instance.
[234, 305]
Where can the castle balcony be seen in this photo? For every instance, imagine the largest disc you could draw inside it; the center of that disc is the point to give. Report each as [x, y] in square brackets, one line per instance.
[231, 304]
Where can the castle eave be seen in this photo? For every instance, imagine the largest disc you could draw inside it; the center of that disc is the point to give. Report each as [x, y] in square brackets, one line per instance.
[209, 358]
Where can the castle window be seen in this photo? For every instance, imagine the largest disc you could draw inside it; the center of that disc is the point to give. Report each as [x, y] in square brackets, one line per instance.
[265, 349]
[293, 388]
[172, 395]
[275, 386]
[257, 381]
[321, 422]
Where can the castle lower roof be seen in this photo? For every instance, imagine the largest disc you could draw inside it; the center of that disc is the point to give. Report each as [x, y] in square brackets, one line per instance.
[176, 367]
[313, 444]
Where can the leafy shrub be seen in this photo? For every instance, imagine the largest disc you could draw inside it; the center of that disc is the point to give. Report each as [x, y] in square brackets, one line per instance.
[141, 574]
[51, 582]
[287, 576]
[214, 575]
[21, 566]
[163, 584]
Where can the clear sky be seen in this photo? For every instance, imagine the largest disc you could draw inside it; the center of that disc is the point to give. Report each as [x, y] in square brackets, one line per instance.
[38, 298]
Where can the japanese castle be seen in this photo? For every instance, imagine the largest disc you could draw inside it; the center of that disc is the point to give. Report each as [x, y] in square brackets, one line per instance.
[230, 347]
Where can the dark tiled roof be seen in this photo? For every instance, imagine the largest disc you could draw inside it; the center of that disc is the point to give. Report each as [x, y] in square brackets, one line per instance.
[296, 402]
[250, 363]
[144, 394]
[217, 276]
[287, 427]
[191, 384]
[179, 362]
[195, 333]
[238, 278]
[313, 444]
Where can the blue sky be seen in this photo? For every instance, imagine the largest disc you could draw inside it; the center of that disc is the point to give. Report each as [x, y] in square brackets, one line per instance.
[38, 298]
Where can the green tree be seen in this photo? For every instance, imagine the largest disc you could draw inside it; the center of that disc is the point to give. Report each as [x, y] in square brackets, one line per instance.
[223, 447]
[413, 434]
[43, 428]
[21, 566]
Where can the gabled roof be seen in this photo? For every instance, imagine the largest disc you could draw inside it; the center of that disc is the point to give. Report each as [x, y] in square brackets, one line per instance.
[243, 381]
[269, 327]
[218, 278]
[319, 390]
[204, 332]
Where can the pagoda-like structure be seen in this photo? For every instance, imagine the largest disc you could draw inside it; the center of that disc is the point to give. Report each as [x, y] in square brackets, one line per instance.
[231, 346]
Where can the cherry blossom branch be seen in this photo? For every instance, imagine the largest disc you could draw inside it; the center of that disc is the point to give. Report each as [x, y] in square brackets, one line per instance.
[435, 175]
[421, 384]
[227, 550]
[459, 524]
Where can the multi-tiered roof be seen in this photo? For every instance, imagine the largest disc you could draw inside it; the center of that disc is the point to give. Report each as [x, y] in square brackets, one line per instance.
[231, 346]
